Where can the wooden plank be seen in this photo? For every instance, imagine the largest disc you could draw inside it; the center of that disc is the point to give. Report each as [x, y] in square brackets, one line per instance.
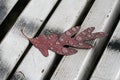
[77, 67]
[14, 43]
[109, 64]
[35, 65]
[5, 8]
[118, 75]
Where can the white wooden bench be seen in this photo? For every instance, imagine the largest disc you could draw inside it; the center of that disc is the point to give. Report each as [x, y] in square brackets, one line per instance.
[5, 7]
[19, 60]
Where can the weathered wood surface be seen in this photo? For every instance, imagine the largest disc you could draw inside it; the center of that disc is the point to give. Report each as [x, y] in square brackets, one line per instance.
[14, 43]
[77, 67]
[35, 65]
[5, 8]
[109, 66]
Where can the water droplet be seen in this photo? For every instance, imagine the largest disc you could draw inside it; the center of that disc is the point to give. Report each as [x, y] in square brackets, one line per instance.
[36, 37]
[64, 50]
[68, 33]
[51, 48]
[51, 44]
[57, 42]
[71, 42]
[89, 36]
[77, 27]
[89, 30]
[36, 45]
[80, 44]
[79, 38]
[61, 39]
[74, 29]
[83, 33]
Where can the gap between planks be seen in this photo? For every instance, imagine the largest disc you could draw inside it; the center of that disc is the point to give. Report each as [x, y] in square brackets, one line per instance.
[30, 45]
[55, 22]
[82, 67]
[11, 18]
[14, 39]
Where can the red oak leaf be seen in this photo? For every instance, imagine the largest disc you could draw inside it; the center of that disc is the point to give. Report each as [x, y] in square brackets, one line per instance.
[43, 44]
[79, 41]
[68, 38]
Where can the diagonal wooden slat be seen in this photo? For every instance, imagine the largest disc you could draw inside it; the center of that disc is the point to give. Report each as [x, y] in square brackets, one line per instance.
[14, 44]
[35, 65]
[78, 67]
[109, 66]
[118, 75]
[5, 8]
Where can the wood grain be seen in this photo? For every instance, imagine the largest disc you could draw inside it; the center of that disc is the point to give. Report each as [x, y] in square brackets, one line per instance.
[109, 66]
[5, 8]
[35, 65]
[78, 67]
[14, 43]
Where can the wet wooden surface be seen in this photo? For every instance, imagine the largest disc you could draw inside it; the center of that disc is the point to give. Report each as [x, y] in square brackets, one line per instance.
[21, 61]
[79, 66]
[5, 7]
[109, 64]
[61, 20]
[14, 43]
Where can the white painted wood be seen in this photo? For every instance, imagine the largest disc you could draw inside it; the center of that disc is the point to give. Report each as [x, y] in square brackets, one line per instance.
[14, 43]
[109, 66]
[78, 66]
[5, 8]
[118, 75]
[35, 65]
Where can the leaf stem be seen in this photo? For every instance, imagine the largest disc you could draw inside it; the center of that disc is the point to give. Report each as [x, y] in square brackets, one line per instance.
[24, 34]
